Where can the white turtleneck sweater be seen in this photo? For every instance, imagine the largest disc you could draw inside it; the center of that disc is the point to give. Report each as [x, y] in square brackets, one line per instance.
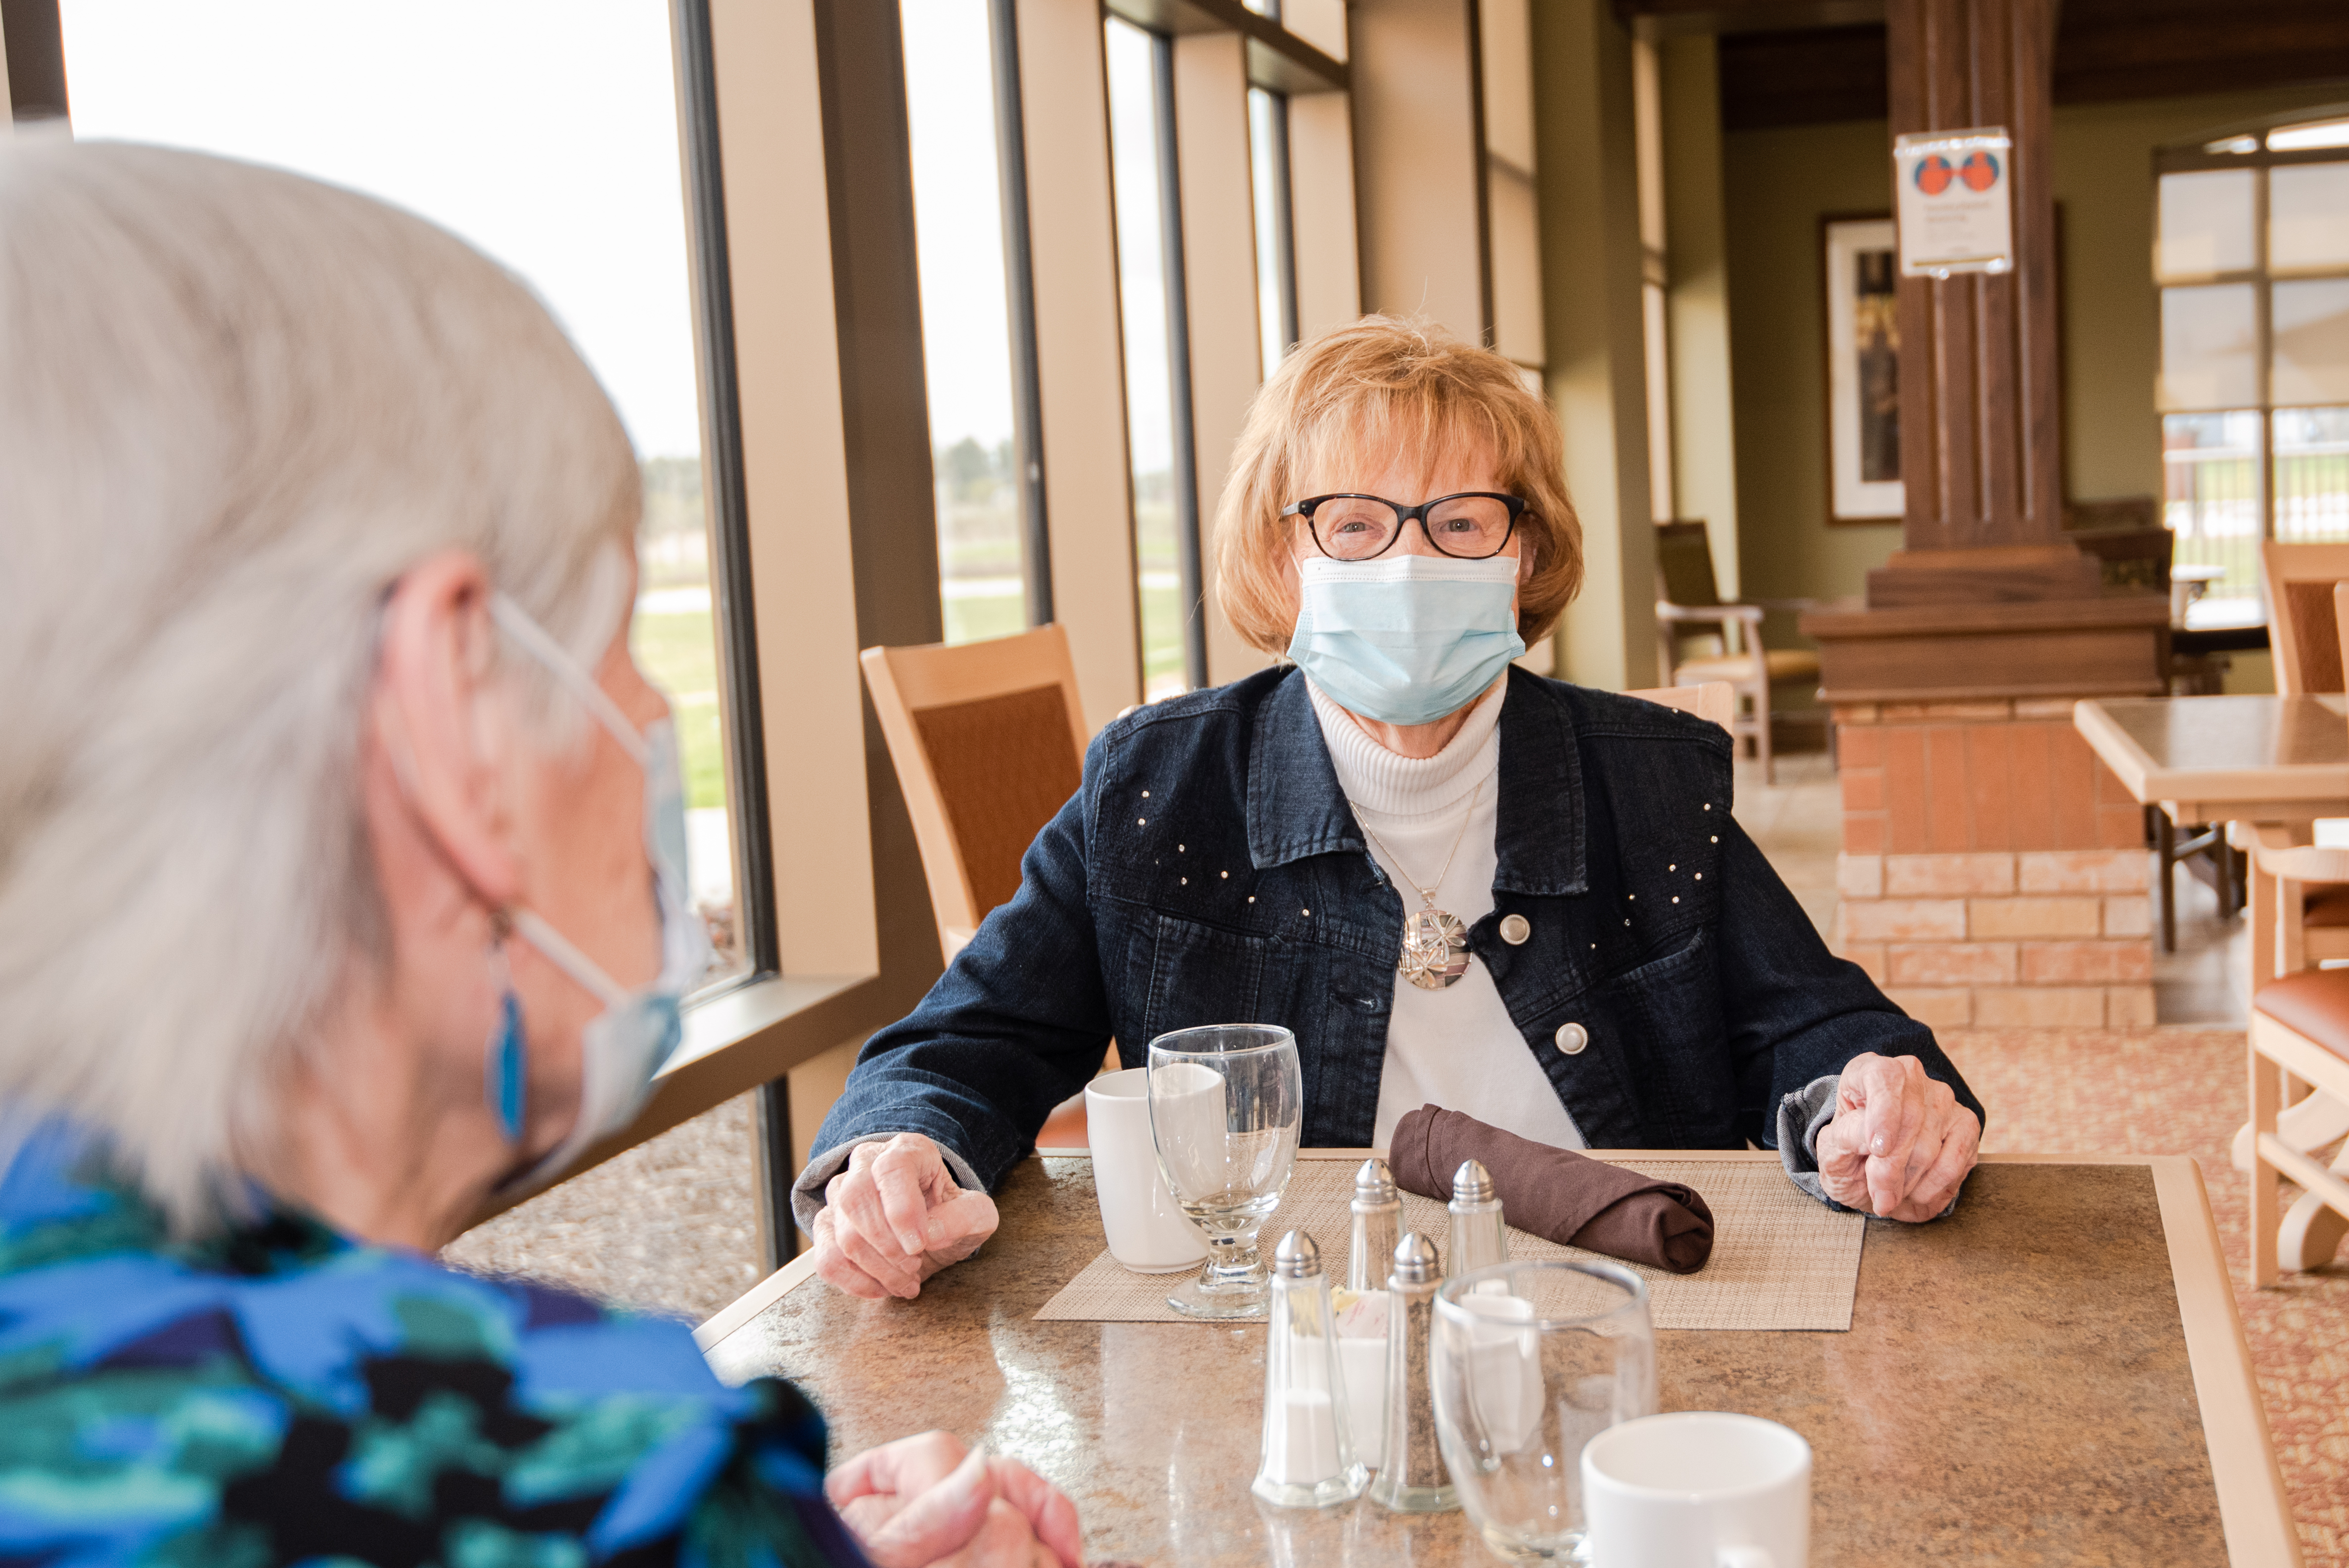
[1457, 1047]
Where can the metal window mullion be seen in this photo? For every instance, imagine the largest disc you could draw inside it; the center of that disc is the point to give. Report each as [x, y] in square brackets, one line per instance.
[1284, 223]
[2262, 316]
[1019, 292]
[1184, 479]
[723, 486]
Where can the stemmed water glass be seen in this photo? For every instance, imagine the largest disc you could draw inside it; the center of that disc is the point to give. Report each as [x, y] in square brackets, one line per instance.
[1225, 1103]
[1528, 1362]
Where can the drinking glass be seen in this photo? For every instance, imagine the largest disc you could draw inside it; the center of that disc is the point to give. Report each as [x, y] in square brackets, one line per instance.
[1225, 1101]
[1528, 1362]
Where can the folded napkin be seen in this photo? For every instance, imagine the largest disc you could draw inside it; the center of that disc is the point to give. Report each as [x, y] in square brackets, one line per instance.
[1567, 1197]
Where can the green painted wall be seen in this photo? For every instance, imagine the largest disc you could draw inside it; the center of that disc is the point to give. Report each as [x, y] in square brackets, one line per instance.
[1778, 185]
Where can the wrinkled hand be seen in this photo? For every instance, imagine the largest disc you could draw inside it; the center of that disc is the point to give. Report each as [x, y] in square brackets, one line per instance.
[929, 1502]
[894, 1217]
[1899, 1144]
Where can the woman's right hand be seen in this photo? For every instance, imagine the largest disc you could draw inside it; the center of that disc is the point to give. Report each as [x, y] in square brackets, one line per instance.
[894, 1217]
[929, 1502]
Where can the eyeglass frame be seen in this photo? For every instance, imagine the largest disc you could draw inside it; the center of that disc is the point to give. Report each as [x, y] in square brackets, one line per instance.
[1405, 516]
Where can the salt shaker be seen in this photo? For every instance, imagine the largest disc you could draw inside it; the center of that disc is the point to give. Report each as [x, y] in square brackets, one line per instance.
[1308, 1457]
[1480, 1237]
[1378, 1220]
[1412, 1479]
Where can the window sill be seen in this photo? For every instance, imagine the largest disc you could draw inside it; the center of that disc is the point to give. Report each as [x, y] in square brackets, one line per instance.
[737, 1039]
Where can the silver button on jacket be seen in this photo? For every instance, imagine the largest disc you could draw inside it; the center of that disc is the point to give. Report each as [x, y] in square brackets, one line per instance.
[1572, 1038]
[1515, 930]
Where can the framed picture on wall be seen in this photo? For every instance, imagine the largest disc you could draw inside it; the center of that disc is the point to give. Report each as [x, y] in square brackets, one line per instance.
[1862, 266]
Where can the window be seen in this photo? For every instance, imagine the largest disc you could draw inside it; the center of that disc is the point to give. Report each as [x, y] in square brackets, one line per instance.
[2251, 252]
[951, 121]
[1157, 359]
[556, 156]
[1276, 259]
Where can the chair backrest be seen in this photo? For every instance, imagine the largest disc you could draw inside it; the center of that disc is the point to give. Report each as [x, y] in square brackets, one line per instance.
[1715, 700]
[1684, 565]
[988, 741]
[2299, 579]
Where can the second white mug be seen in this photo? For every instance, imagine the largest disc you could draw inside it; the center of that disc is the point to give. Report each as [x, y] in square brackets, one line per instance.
[1698, 1488]
[1146, 1231]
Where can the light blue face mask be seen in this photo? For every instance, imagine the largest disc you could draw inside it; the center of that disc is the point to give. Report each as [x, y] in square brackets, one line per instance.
[1408, 638]
[624, 1046]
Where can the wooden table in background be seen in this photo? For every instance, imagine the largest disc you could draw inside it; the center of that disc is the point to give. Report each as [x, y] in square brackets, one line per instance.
[2054, 1373]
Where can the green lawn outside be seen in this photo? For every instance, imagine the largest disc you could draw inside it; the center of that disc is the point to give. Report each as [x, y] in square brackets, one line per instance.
[680, 652]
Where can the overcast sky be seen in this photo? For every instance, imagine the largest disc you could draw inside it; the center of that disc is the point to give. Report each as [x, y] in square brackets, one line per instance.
[544, 132]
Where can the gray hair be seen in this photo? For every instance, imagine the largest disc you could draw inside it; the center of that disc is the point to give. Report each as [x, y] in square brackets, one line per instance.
[235, 406]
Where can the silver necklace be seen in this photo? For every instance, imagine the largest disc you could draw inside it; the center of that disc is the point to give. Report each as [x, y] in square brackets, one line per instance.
[1435, 942]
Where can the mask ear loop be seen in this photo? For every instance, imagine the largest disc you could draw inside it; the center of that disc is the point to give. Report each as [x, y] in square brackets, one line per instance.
[505, 1076]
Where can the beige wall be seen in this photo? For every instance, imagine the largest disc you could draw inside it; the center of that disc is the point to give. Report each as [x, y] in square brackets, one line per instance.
[1778, 186]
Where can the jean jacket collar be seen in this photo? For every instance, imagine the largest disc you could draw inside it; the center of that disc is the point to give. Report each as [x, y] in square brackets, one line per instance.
[1295, 807]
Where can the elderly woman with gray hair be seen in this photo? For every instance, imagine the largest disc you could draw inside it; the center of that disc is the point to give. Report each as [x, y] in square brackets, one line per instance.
[340, 889]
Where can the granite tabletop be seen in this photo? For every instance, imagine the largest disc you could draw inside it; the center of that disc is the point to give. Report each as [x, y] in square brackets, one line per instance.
[2015, 1388]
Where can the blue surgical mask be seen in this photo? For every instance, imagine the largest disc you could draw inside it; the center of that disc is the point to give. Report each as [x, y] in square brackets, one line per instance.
[625, 1044]
[1409, 638]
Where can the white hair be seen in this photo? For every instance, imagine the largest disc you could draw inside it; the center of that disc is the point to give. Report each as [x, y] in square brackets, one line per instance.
[235, 406]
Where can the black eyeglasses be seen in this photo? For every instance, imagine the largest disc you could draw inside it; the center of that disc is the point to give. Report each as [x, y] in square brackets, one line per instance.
[1470, 526]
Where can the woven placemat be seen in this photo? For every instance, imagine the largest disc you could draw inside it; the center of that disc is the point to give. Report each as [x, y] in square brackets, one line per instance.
[1779, 1258]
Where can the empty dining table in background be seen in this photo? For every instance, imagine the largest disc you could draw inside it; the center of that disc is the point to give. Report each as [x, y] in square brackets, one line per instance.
[2054, 1373]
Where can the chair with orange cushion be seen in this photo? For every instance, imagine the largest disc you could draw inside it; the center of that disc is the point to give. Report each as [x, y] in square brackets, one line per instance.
[2300, 1024]
[988, 741]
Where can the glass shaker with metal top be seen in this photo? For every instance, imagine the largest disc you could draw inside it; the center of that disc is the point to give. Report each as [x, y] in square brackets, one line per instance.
[1480, 1236]
[1378, 1226]
[1412, 1478]
[1308, 1458]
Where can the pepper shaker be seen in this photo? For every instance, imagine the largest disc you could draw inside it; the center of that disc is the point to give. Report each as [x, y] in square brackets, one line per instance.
[1308, 1458]
[1378, 1222]
[1412, 1479]
[1480, 1237]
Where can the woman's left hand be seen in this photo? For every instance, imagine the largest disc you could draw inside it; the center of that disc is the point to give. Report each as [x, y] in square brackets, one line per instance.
[928, 1499]
[1901, 1144]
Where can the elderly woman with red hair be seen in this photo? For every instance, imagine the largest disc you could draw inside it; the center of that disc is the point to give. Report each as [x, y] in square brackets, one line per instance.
[1455, 882]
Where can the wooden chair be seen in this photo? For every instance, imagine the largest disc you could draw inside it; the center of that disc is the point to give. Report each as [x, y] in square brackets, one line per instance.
[2299, 1024]
[1688, 595]
[988, 741]
[2298, 580]
[2305, 631]
[1715, 700]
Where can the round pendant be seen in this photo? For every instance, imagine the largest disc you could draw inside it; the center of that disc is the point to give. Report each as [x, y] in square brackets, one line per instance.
[1434, 949]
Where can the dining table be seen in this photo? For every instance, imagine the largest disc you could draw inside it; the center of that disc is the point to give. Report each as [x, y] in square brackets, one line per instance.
[2273, 765]
[2051, 1372]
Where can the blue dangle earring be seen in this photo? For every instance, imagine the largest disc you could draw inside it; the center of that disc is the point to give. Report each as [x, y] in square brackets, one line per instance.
[505, 1075]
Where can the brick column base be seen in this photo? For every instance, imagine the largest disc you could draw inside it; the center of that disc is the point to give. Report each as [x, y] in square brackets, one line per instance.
[1993, 872]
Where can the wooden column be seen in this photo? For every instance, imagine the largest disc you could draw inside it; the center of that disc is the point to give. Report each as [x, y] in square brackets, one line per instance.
[1981, 449]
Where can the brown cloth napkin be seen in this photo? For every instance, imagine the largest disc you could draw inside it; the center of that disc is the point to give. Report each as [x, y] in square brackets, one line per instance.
[1567, 1197]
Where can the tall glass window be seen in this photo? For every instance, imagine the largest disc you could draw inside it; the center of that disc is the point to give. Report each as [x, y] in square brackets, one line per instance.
[1157, 364]
[2251, 252]
[950, 116]
[1275, 261]
[553, 150]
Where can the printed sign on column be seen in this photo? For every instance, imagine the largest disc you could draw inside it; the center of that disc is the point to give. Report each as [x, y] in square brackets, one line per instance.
[1956, 210]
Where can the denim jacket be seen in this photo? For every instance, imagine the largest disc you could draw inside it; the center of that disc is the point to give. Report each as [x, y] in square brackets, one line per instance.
[1208, 869]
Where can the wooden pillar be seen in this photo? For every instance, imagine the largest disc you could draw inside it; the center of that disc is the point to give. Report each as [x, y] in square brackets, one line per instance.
[1981, 449]
[1993, 872]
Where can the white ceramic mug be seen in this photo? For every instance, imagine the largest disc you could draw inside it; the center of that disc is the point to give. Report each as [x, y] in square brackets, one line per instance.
[1698, 1488]
[1146, 1231]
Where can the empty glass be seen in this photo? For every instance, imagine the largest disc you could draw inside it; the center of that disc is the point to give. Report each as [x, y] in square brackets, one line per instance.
[1525, 1371]
[1226, 1102]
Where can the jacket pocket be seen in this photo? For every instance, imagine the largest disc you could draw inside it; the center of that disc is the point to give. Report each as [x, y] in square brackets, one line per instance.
[1199, 975]
[1678, 1057]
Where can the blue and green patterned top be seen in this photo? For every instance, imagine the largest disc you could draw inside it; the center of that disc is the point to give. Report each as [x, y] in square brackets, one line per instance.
[283, 1395]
